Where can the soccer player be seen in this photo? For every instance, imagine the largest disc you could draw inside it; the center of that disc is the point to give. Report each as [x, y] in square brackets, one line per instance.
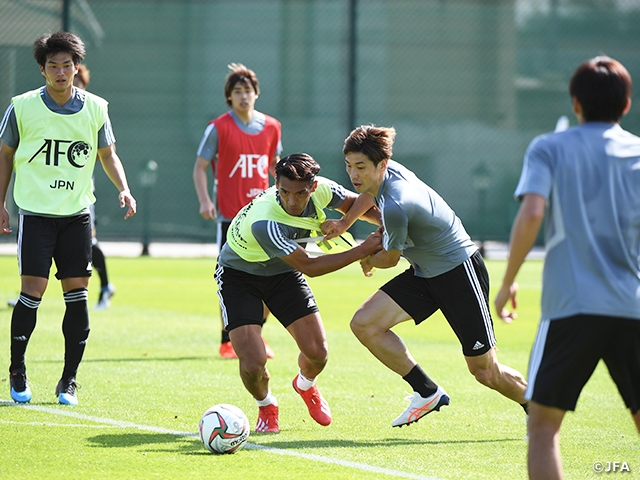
[262, 263]
[588, 180]
[51, 136]
[447, 273]
[242, 146]
[81, 80]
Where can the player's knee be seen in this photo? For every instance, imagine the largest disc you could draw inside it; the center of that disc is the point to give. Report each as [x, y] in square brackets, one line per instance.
[361, 325]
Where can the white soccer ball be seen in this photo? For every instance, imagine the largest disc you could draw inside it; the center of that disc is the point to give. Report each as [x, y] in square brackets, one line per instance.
[224, 428]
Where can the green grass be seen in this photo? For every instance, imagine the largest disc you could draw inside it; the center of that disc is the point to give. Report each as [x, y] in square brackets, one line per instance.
[152, 361]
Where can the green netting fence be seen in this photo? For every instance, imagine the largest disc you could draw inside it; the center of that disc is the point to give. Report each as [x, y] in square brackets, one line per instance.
[467, 84]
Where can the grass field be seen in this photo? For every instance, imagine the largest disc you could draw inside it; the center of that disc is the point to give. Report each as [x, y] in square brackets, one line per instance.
[151, 369]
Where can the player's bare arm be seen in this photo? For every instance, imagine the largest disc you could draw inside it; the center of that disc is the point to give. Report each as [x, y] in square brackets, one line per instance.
[316, 266]
[200, 171]
[381, 259]
[523, 235]
[6, 169]
[113, 168]
[353, 208]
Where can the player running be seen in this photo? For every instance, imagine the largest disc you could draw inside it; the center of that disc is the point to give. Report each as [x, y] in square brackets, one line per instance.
[262, 263]
[447, 273]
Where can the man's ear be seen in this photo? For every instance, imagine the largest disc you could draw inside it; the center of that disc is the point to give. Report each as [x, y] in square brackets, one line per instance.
[314, 186]
[626, 109]
[577, 109]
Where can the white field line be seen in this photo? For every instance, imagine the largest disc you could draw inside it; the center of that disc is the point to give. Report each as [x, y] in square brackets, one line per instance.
[248, 445]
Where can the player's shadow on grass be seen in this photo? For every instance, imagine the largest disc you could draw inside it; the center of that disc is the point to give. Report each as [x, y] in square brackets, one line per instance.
[142, 358]
[171, 442]
[191, 445]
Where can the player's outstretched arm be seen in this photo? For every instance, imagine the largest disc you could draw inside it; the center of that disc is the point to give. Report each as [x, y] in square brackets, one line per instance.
[316, 266]
[115, 171]
[353, 208]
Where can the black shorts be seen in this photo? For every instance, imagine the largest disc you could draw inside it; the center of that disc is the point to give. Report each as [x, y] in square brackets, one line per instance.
[67, 240]
[287, 295]
[462, 294]
[567, 350]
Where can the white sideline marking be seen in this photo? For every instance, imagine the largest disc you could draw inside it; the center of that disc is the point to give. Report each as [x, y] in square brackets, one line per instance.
[50, 424]
[248, 445]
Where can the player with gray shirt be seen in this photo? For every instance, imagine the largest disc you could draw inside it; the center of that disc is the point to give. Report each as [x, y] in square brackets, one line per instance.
[447, 273]
[588, 179]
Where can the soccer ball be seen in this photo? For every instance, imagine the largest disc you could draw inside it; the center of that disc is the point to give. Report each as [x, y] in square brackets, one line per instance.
[224, 429]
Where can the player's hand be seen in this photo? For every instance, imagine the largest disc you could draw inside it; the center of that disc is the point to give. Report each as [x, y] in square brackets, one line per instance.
[126, 198]
[4, 222]
[208, 210]
[333, 228]
[373, 243]
[367, 268]
[506, 294]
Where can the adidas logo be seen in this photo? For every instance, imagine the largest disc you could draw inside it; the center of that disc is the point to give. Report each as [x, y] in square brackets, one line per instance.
[311, 303]
[478, 345]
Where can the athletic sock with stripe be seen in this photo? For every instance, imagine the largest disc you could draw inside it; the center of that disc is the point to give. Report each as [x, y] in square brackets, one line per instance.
[75, 327]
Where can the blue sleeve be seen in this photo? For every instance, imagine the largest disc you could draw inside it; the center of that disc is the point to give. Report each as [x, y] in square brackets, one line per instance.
[396, 227]
[105, 134]
[536, 176]
[9, 128]
[208, 147]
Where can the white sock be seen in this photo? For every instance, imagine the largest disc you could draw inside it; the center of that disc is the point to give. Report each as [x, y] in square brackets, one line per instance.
[303, 383]
[270, 399]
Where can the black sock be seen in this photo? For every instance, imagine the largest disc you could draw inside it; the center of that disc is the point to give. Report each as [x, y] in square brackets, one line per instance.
[75, 327]
[225, 337]
[99, 263]
[23, 323]
[420, 382]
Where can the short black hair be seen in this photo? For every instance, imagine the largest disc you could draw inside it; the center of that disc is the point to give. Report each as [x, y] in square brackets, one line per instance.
[298, 167]
[240, 73]
[54, 43]
[376, 143]
[602, 86]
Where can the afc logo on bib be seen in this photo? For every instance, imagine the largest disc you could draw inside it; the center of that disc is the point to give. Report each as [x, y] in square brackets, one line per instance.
[77, 153]
[250, 166]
